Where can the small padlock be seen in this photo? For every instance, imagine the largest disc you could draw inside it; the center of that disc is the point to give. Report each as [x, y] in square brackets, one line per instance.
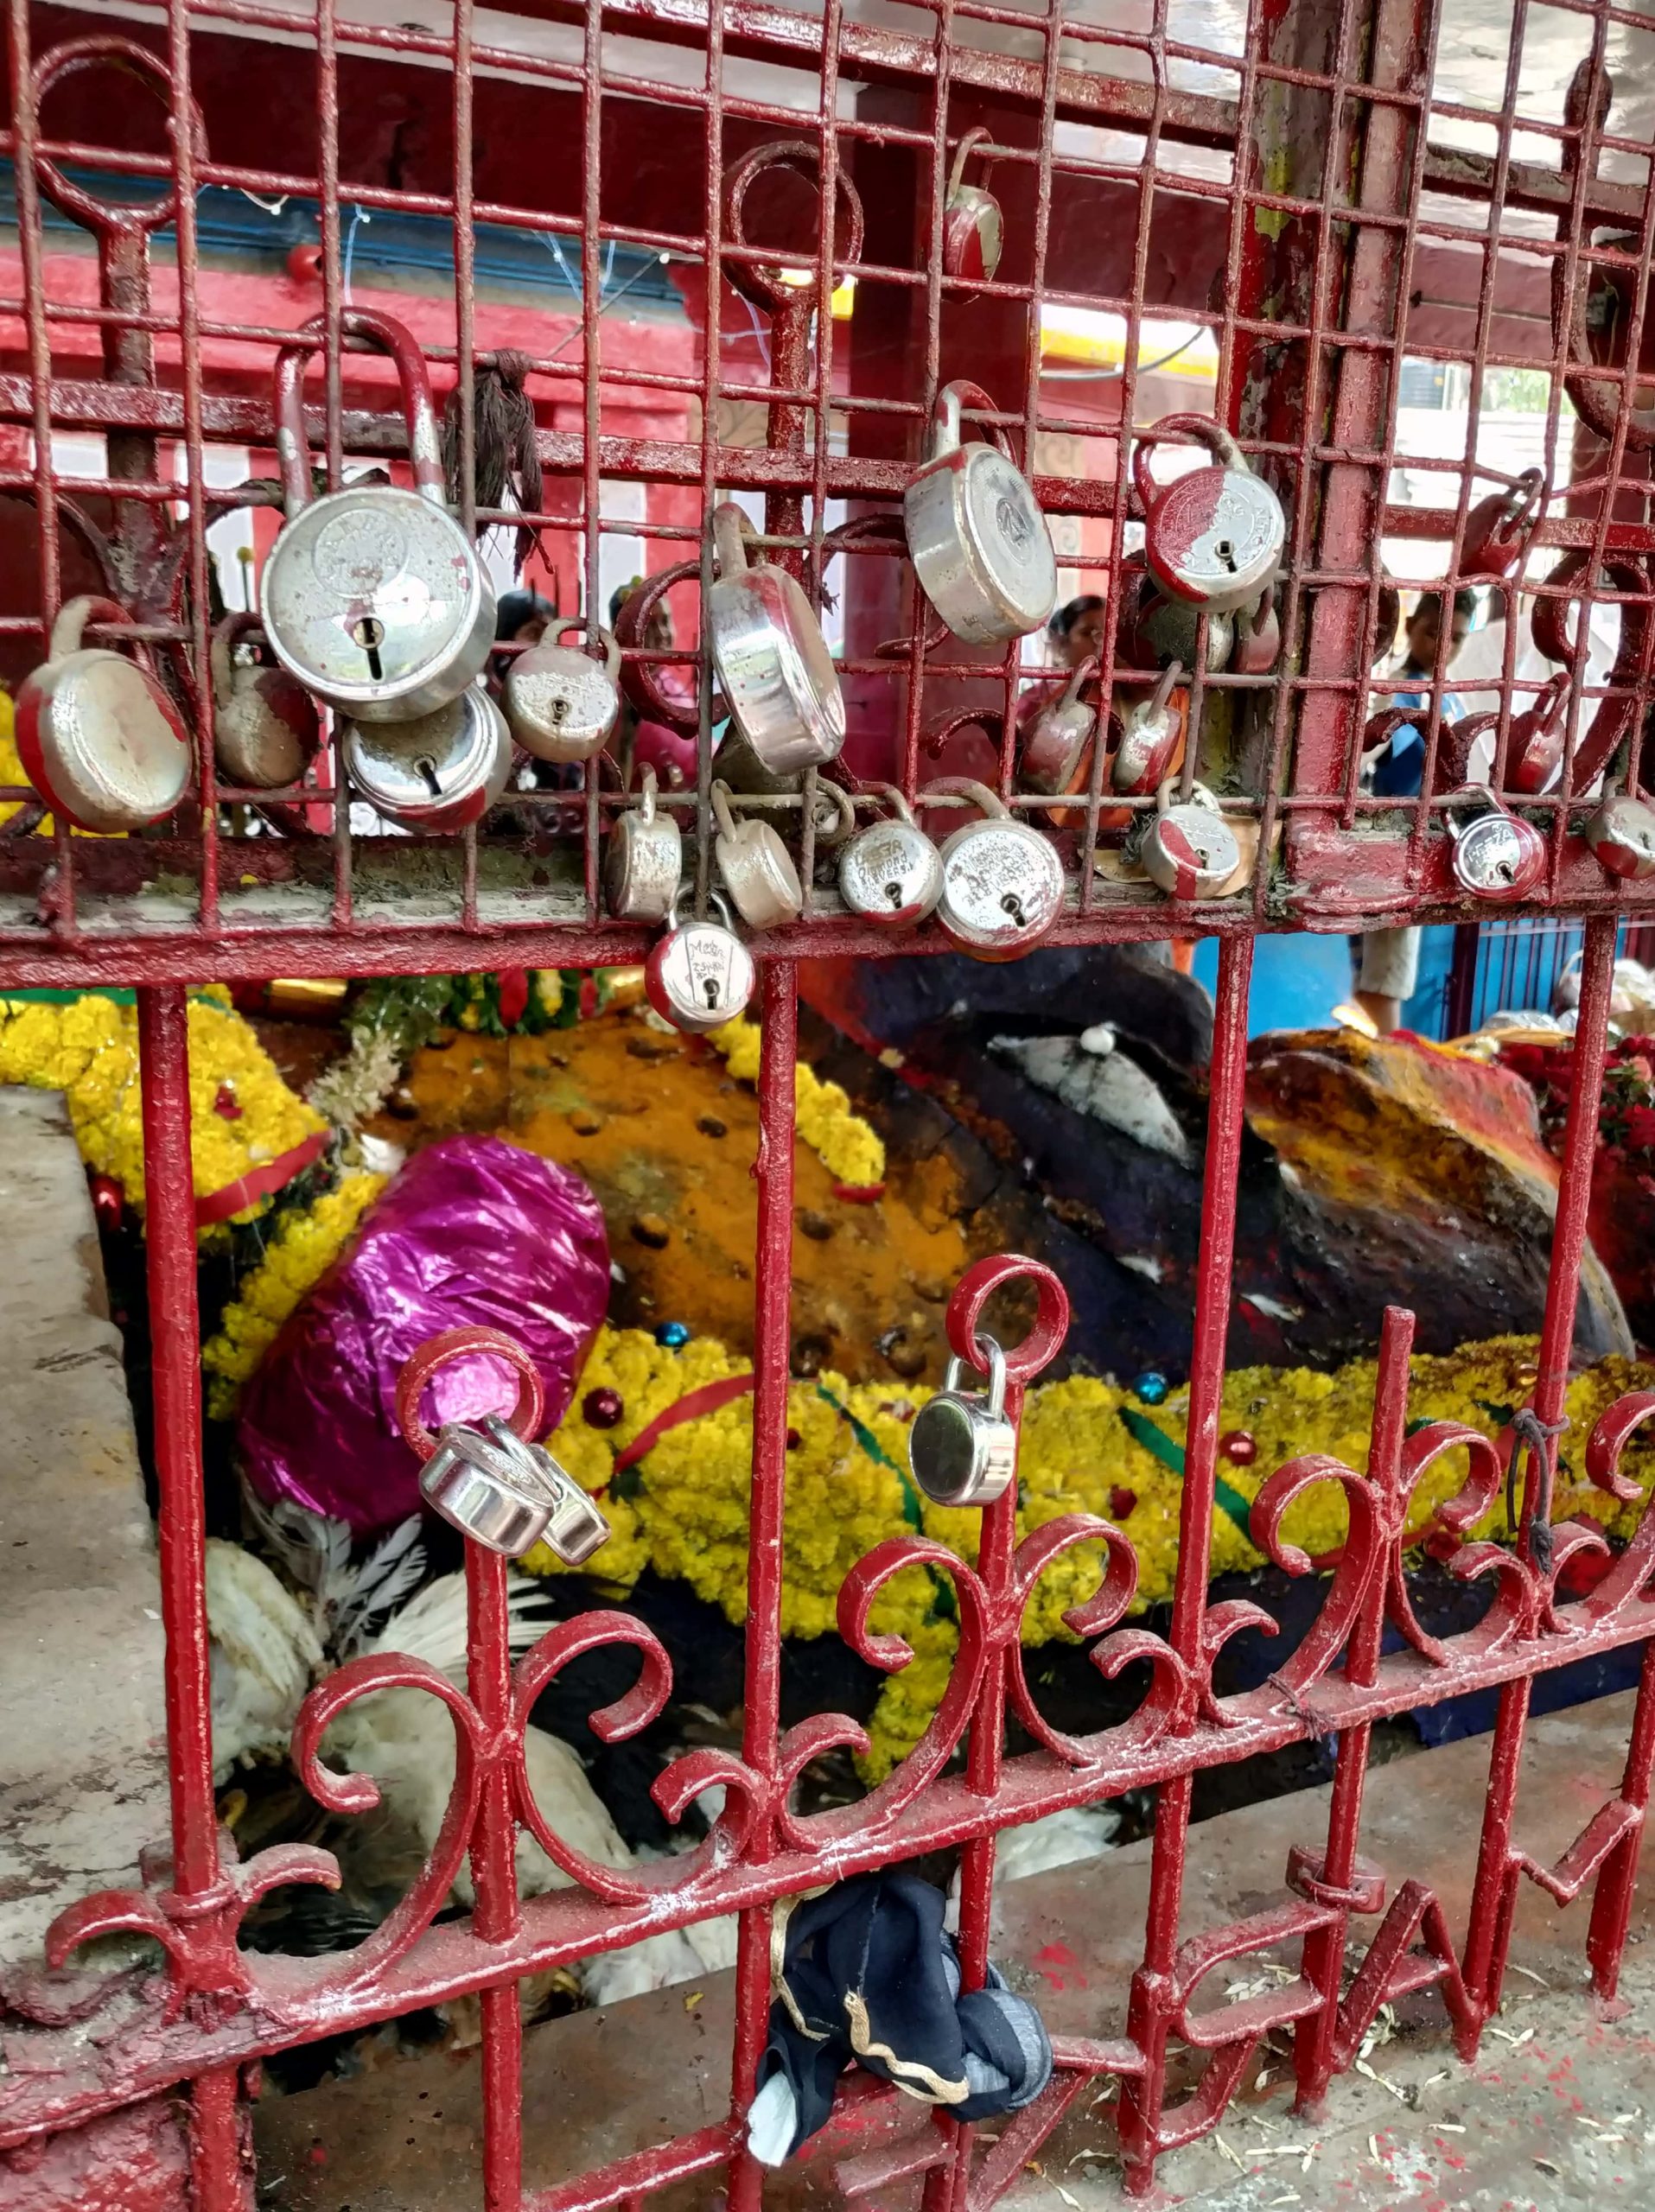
[98, 737]
[891, 873]
[1258, 638]
[961, 1447]
[481, 1490]
[1498, 857]
[265, 726]
[700, 974]
[1151, 733]
[1002, 880]
[1055, 741]
[757, 867]
[1539, 740]
[560, 703]
[373, 597]
[1153, 629]
[438, 773]
[973, 230]
[1214, 536]
[575, 1528]
[645, 859]
[1499, 528]
[1189, 849]
[1622, 837]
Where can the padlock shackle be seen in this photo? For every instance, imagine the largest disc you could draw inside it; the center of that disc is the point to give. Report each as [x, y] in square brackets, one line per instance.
[728, 825]
[967, 787]
[953, 1373]
[978, 135]
[1499, 529]
[847, 812]
[606, 638]
[1217, 440]
[74, 617]
[388, 336]
[904, 811]
[946, 431]
[1082, 676]
[1171, 676]
[647, 787]
[731, 530]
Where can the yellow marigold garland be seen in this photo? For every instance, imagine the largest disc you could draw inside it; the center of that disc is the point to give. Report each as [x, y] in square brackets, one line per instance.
[682, 1510]
[87, 1048]
[305, 1244]
[852, 1152]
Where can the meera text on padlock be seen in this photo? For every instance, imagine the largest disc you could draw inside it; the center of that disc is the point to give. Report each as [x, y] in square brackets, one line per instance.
[265, 726]
[757, 868]
[560, 703]
[1054, 743]
[373, 597]
[645, 859]
[436, 774]
[961, 1447]
[1002, 880]
[973, 229]
[1190, 850]
[890, 872]
[700, 974]
[1622, 837]
[1497, 855]
[976, 533]
[98, 738]
[1213, 536]
[1151, 734]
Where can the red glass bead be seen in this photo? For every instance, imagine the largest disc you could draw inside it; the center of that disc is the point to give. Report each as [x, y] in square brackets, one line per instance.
[108, 1201]
[1238, 1447]
[227, 1104]
[602, 1408]
[1123, 1502]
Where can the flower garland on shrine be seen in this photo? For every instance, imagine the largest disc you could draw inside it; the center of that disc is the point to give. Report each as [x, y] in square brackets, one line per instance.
[848, 1148]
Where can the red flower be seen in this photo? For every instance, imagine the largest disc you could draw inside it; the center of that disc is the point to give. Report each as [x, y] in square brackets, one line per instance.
[1640, 1128]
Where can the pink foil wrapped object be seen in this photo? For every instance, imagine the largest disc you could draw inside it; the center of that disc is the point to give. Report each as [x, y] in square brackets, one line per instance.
[471, 1230]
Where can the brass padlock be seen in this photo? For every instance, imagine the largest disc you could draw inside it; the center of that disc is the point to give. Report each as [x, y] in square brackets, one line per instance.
[962, 1449]
[265, 726]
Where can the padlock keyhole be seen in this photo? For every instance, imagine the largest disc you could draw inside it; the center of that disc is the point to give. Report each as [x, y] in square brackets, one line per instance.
[893, 892]
[560, 710]
[1013, 906]
[709, 985]
[1226, 553]
[427, 767]
[370, 633]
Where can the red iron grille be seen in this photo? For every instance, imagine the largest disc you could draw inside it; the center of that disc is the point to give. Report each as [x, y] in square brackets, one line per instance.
[1326, 198]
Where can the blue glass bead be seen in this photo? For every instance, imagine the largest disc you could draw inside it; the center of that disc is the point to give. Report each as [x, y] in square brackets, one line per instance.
[1151, 1387]
[673, 1335]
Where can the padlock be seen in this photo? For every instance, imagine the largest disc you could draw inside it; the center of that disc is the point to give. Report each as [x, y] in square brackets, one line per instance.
[773, 661]
[98, 738]
[1622, 837]
[438, 773]
[1054, 743]
[575, 1527]
[757, 868]
[1498, 857]
[976, 537]
[560, 703]
[265, 726]
[700, 974]
[891, 873]
[1499, 529]
[1190, 850]
[1258, 638]
[1151, 733]
[962, 1449]
[973, 231]
[374, 597]
[1154, 630]
[645, 859]
[1002, 880]
[1214, 536]
[508, 1495]
[1539, 740]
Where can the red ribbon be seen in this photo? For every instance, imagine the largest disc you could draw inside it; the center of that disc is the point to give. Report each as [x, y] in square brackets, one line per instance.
[690, 1406]
[261, 1182]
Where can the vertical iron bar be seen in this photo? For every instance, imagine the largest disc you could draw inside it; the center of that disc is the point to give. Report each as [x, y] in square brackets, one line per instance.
[494, 1873]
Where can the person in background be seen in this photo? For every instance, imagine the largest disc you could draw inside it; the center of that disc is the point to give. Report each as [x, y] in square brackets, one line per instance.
[520, 618]
[1078, 630]
[1387, 961]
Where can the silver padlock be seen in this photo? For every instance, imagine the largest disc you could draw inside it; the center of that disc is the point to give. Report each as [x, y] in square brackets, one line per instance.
[373, 597]
[560, 703]
[891, 873]
[575, 1527]
[961, 1447]
[700, 974]
[1154, 629]
[1055, 741]
[1498, 857]
[976, 537]
[645, 859]
[757, 868]
[1149, 736]
[97, 736]
[1214, 536]
[973, 229]
[1189, 849]
[1002, 880]
[265, 726]
[1622, 837]
[773, 666]
[438, 773]
[479, 1489]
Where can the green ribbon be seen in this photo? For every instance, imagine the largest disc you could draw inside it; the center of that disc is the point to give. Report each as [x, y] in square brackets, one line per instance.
[1170, 1453]
[942, 1603]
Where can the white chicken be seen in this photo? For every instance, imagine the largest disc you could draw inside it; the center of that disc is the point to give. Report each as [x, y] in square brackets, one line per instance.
[265, 1654]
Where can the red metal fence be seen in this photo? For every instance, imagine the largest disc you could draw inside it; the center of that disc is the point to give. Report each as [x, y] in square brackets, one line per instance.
[1306, 197]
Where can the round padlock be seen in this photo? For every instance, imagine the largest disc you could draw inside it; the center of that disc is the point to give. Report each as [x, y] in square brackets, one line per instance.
[962, 1449]
[773, 666]
[98, 737]
[891, 873]
[645, 859]
[973, 230]
[699, 975]
[976, 537]
[1151, 734]
[1499, 528]
[373, 597]
[438, 773]
[1153, 629]
[1002, 880]
[1622, 837]
[481, 1488]
[1190, 850]
[1498, 857]
[560, 703]
[265, 726]
[1214, 536]
[575, 1528]
[756, 867]
[1055, 741]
